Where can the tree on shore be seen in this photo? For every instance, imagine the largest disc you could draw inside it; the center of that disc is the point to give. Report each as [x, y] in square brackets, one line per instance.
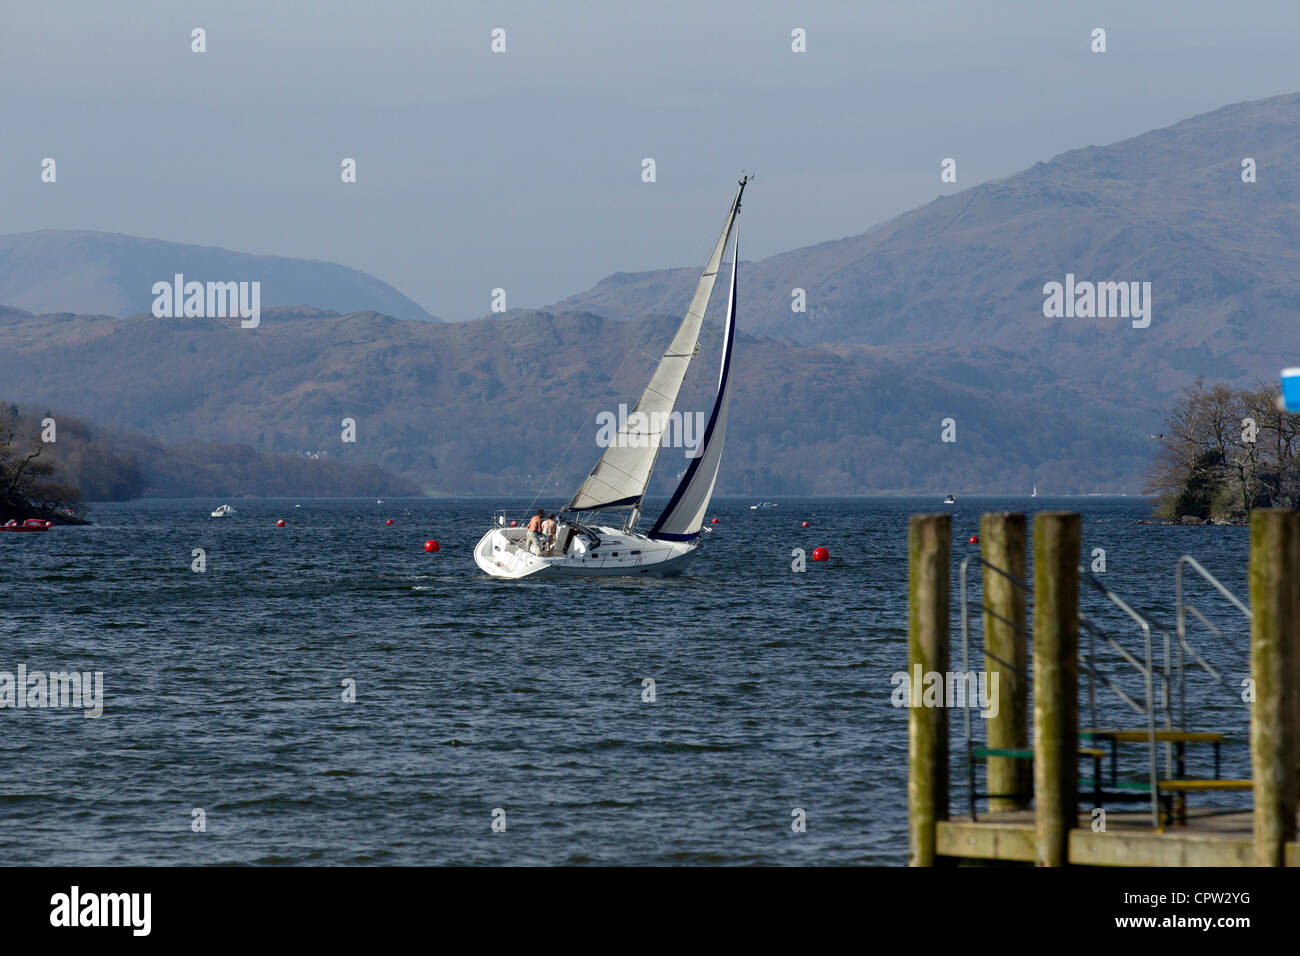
[1225, 451]
[27, 481]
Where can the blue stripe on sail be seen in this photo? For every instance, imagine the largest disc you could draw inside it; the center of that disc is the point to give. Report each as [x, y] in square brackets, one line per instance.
[622, 502]
[694, 466]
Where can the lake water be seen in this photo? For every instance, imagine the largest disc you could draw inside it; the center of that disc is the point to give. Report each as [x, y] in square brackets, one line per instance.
[223, 689]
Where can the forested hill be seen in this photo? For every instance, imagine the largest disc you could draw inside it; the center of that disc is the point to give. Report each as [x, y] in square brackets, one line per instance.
[489, 406]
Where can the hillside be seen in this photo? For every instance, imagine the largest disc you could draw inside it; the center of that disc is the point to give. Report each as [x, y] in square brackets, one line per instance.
[93, 463]
[967, 270]
[68, 271]
[489, 406]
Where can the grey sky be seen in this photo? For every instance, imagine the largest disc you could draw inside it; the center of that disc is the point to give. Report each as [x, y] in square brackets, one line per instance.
[522, 170]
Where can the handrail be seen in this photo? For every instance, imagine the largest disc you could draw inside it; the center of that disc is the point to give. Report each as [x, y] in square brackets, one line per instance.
[1146, 667]
[1182, 607]
[1144, 623]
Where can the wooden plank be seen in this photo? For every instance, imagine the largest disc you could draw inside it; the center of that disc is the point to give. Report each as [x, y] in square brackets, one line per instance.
[1135, 848]
[1191, 785]
[1014, 843]
[1168, 736]
[1009, 842]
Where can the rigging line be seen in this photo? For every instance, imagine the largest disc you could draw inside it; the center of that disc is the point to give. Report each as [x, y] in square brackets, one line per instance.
[637, 346]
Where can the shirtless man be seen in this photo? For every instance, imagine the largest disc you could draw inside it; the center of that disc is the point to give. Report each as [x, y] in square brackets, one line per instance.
[548, 528]
[535, 526]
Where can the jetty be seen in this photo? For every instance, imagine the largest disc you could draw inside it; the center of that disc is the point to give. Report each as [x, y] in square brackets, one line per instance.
[1042, 789]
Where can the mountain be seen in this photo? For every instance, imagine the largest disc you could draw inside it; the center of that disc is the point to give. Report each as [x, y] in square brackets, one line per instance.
[938, 314]
[1168, 207]
[491, 406]
[64, 271]
[116, 464]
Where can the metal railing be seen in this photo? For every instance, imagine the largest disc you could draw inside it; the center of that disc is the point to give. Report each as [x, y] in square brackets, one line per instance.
[1159, 689]
[1181, 608]
[1145, 668]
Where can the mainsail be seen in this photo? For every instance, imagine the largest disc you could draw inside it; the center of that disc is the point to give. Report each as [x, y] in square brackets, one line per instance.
[684, 516]
[620, 478]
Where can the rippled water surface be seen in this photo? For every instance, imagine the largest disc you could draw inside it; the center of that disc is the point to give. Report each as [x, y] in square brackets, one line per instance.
[223, 688]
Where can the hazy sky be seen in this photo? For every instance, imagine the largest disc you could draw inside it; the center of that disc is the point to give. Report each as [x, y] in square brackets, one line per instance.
[523, 170]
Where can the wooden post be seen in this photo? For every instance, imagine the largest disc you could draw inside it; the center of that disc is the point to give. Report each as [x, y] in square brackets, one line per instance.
[1056, 684]
[929, 544]
[1002, 544]
[1274, 603]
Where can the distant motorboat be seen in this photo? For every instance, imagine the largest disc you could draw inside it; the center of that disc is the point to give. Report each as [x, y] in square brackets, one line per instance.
[223, 511]
[31, 524]
[950, 500]
[762, 504]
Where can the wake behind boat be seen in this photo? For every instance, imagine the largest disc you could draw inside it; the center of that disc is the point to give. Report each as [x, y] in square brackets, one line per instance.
[620, 478]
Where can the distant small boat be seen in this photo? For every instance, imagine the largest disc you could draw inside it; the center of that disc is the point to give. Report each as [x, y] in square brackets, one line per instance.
[379, 501]
[950, 500]
[31, 524]
[223, 511]
[762, 504]
[1035, 493]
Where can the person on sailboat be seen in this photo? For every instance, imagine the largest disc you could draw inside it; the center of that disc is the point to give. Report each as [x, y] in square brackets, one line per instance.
[534, 527]
[548, 529]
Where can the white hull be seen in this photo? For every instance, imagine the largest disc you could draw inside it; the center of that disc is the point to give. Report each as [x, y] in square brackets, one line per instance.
[503, 553]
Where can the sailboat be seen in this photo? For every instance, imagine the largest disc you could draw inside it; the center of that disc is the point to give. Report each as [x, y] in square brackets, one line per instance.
[621, 476]
[1035, 492]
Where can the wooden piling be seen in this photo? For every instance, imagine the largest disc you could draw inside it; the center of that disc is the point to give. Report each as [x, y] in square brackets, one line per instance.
[1274, 604]
[1002, 545]
[1056, 688]
[929, 544]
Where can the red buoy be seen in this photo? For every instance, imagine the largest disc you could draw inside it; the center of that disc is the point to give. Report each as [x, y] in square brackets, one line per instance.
[431, 545]
[389, 521]
[805, 524]
[821, 554]
[715, 520]
[514, 524]
[280, 523]
[974, 539]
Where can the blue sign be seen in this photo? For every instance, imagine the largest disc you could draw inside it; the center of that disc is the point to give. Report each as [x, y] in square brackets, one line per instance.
[1291, 389]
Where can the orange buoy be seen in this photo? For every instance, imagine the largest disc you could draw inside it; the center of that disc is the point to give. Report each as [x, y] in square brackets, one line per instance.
[389, 521]
[974, 539]
[805, 524]
[280, 523]
[715, 520]
[431, 545]
[821, 554]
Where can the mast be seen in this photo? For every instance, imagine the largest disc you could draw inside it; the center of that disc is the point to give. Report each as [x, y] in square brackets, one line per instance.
[682, 519]
[622, 474]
